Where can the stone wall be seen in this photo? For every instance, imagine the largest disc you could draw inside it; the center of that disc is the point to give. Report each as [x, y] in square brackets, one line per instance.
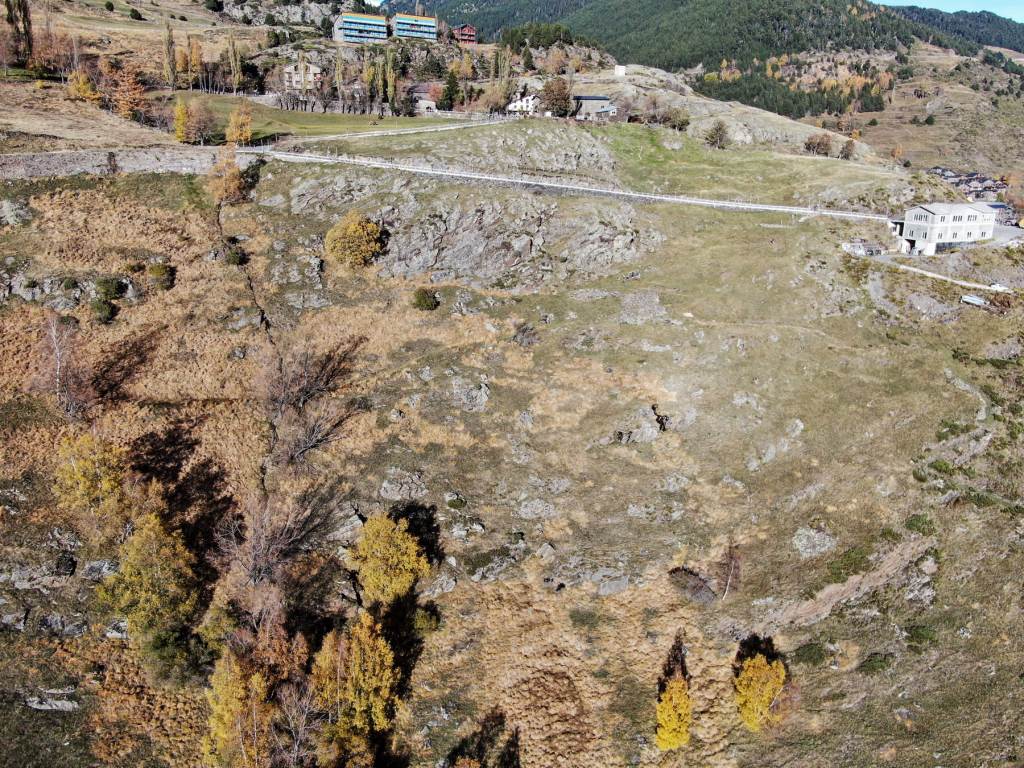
[197, 160]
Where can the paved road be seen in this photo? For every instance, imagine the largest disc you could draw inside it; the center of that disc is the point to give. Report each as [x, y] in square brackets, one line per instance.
[559, 186]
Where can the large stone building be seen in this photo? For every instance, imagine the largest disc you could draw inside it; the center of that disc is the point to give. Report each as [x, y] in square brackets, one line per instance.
[926, 228]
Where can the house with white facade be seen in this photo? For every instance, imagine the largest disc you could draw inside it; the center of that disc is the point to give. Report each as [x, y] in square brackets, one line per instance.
[926, 228]
[301, 76]
[525, 105]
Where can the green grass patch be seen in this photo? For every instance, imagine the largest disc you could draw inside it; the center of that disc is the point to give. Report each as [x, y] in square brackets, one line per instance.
[920, 523]
[271, 123]
[811, 654]
[853, 561]
[585, 618]
[874, 663]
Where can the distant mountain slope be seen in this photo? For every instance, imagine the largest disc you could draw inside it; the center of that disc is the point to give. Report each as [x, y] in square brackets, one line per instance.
[672, 34]
[980, 27]
[680, 33]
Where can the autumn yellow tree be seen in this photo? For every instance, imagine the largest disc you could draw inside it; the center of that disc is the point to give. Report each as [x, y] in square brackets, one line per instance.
[169, 57]
[224, 181]
[674, 713]
[338, 741]
[89, 485]
[156, 591]
[181, 132]
[370, 685]
[239, 130]
[388, 560]
[129, 96]
[758, 686]
[355, 240]
[241, 717]
[80, 87]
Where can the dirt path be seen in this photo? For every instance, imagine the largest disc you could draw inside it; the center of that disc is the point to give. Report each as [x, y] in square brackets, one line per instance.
[525, 181]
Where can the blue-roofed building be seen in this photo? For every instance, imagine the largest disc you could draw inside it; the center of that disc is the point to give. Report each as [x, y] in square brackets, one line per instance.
[416, 27]
[360, 28]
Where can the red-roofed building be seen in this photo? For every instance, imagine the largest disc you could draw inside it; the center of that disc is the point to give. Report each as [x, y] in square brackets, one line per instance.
[465, 33]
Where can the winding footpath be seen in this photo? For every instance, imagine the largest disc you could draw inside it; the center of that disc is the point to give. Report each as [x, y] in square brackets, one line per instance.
[557, 186]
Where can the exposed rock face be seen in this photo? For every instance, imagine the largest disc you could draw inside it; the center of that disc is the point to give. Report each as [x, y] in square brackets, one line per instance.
[517, 241]
[470, 397]
[402, 486]
[641, 307]
[809, 542]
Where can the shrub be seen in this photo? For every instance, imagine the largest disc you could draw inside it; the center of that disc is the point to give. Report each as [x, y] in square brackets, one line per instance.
[134, 14]
[425, 300]
[214, 5]
[717, 136]
[811, 654]
[235, 257]
[224, 181]
[849, 150]
[758, 686]
[874, 663]
[819, 145]
[109, 288]
[108, 5]
[920, 635]
[930, 120]
[873, 122]
[68, 284]
[677, 118]
[104, 311]
[161, 276]
[674, 713]
[355, 240]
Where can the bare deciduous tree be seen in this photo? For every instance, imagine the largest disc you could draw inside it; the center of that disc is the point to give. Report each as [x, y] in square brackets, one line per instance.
[304, 376]
[729, 568]
[62, 374]
[268, 535]
[298, 724]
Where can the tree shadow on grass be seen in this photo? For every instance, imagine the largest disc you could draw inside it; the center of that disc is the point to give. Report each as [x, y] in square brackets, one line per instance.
[195, 491]
[117, 369]
[488, 745]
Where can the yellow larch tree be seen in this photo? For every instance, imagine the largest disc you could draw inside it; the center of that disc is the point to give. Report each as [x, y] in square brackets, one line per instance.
[239, 130]
[388, 560]
[355, 240]
[372, 678]
[758, 686]
[674, 713]
[181, 132]
[89, 485]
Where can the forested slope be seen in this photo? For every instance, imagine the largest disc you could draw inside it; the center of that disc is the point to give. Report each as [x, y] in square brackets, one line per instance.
[671, 34]
[981, 27]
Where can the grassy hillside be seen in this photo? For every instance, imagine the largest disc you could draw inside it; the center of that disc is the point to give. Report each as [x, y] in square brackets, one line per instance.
[981, 27]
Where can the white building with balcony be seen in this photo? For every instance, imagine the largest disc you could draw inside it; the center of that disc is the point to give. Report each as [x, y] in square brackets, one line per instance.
[927, 228]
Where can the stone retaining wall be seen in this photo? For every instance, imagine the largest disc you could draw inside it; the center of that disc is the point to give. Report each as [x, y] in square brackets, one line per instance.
[100, 162]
